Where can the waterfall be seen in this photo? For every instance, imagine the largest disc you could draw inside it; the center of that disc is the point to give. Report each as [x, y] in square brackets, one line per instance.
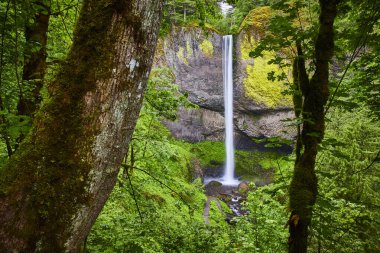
[228, 178]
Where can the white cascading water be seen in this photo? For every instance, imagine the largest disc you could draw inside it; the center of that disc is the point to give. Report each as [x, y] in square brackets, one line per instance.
[228, 178]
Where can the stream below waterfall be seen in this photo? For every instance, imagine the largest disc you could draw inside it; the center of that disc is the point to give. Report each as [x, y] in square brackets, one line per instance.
[233, 196]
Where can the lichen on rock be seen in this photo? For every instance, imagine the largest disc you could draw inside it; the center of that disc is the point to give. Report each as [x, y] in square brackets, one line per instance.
[207, 48]
[256, 84]
[181, 55]
[189, 50]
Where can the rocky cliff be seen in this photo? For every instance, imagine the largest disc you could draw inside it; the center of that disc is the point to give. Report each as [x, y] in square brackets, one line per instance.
[195, 56]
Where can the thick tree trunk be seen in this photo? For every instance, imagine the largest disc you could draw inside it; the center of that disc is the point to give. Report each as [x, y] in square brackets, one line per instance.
[53, 188]
[303, 188]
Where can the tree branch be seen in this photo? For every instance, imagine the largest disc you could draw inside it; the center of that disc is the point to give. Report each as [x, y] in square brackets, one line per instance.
[370, 165]
[134, 196]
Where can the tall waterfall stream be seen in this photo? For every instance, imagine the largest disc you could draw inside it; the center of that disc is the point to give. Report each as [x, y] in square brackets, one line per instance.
[228, 177]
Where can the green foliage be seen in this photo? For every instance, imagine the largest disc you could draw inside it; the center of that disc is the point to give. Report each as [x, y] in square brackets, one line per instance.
[207, 14]
[163, 95]
[15, 17]
[365, 84]
[188, 13]
[60, 36]
[255, 166]
[268, 77]
[217, 216]
[257, 20]
[347, 209]
[291, 21]
[348, 205]
[356, 83]
[343, 217]
[210, 153]
[167, 224]
[235, 20]
[263, 228]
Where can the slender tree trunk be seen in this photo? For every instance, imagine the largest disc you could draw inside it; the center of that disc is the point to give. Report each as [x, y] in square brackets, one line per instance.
[3, 120]
[54, 187]
[303, 188]
[34, 62]
[174, 13]
[3, 130]
[184, 14]
[34, 68]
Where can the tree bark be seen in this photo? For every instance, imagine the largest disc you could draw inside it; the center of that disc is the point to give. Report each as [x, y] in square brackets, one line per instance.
[54, 187]
[303, 188]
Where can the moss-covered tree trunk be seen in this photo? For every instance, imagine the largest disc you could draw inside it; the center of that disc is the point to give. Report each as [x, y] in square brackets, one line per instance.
[315, 92]
[54, 187]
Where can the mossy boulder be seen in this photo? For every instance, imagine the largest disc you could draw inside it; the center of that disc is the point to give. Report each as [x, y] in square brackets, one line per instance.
[213, 188]
[243, 187]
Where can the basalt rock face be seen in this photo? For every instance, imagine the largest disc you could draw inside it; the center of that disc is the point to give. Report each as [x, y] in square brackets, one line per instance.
[195, 56]
[197, 125]
[196, 59]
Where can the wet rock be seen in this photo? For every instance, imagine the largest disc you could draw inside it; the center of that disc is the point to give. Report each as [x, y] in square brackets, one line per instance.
[213, 188]
[230, 219]
[243, 187]
[196, 125]
[215, 172]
